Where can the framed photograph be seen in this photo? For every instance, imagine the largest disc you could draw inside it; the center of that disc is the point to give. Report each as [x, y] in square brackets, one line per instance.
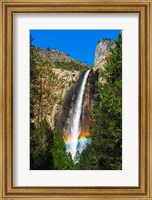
[76, 95]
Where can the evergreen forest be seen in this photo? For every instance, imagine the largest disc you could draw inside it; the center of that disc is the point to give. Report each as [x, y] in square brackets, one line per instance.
[47, 147]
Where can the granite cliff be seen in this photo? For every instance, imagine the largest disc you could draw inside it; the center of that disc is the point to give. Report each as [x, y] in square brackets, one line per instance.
[103, 52]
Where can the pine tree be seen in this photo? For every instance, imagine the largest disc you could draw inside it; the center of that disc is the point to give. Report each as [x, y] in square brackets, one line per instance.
[61, 159]
[41, 142]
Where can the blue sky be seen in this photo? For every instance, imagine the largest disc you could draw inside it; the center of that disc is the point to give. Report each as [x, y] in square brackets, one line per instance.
[79, 44]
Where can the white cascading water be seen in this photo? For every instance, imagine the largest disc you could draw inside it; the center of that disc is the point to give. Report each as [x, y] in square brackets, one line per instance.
[74, 122]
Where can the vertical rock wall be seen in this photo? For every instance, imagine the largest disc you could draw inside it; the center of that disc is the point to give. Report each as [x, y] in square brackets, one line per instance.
[87, 103]
[102, 49]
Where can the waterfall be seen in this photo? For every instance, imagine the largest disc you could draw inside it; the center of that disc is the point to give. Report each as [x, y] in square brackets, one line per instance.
[72, 128]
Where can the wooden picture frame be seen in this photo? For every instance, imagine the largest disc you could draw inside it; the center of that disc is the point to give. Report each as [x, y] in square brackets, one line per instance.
[8, 8]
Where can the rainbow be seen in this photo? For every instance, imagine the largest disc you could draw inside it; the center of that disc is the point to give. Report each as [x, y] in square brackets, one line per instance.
[83, 140]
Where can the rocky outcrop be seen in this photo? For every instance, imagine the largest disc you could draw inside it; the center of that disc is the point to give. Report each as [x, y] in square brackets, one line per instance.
[102, 52]
[52, 56]
[69, 76]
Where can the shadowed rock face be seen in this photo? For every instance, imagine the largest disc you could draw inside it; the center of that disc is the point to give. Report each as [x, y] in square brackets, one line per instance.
[87, 103]
[69, 101]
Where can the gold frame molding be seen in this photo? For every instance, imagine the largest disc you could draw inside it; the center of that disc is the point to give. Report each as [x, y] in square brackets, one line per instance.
[7, 9]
